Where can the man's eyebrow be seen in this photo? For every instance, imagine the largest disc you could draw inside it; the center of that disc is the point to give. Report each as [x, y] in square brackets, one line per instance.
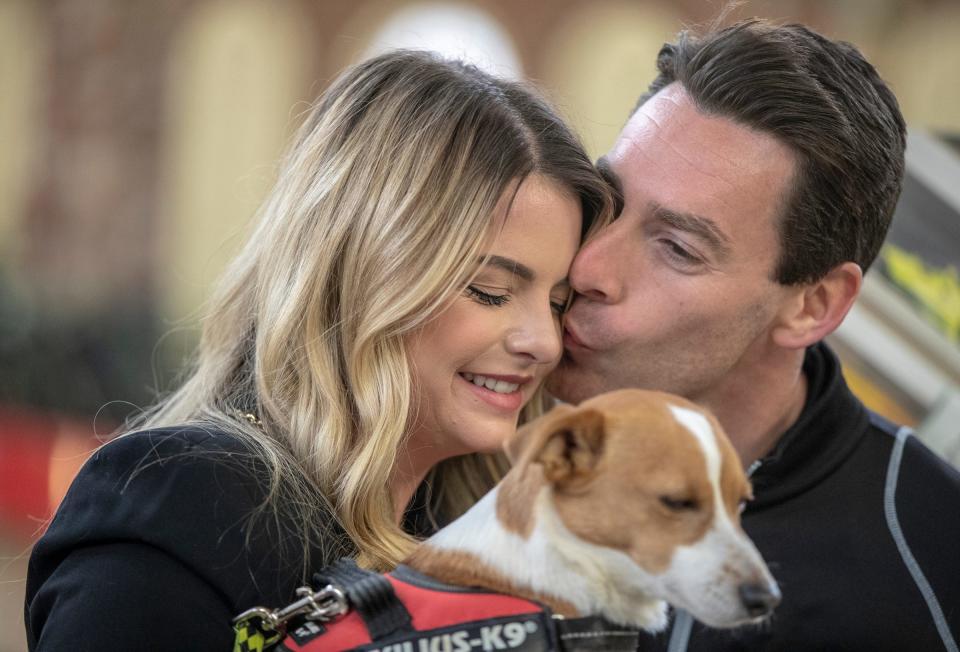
[511, 266]
[701, 227]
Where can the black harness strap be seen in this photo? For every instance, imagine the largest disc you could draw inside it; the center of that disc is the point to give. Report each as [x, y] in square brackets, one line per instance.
[594, 633]
[371, 594]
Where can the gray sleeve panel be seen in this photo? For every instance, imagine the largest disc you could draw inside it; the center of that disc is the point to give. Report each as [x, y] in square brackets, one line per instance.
[680, 636]
[890, 511]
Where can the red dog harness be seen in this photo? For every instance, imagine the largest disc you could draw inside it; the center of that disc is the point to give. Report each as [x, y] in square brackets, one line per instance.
[406, 611]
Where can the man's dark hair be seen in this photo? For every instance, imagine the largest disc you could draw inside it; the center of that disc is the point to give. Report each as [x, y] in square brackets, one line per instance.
[824, 101]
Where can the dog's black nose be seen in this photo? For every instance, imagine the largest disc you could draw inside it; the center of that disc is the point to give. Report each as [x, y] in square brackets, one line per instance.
[759, 599]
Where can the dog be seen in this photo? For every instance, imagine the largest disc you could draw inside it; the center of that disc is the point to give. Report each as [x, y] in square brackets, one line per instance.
[612, 509]
[615, 507]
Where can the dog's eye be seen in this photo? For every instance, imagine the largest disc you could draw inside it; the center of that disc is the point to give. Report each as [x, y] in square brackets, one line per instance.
[679, 504]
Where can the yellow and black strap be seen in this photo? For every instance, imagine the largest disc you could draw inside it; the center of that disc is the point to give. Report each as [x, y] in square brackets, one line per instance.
[252, 635]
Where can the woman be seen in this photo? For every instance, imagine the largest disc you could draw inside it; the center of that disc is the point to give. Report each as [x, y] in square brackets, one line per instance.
[368, 352]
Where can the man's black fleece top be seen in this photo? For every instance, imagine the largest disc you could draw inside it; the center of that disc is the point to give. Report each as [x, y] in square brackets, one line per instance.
[859, 523]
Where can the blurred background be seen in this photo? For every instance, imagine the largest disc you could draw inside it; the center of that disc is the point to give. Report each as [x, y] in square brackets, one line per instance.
[138, 137]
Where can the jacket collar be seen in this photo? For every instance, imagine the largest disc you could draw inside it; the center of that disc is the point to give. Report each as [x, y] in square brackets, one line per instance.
[832, 423]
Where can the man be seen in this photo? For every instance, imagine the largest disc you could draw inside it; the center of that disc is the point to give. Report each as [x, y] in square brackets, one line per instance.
[759, 175]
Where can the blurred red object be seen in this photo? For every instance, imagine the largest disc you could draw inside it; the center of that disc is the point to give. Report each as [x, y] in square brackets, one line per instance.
[40, 453]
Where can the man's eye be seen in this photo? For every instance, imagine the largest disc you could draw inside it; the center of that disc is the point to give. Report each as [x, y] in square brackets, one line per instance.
[486, 298]
[679, 253]
[558, 307]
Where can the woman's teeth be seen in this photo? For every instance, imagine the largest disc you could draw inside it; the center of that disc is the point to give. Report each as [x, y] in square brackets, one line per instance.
[498, 386]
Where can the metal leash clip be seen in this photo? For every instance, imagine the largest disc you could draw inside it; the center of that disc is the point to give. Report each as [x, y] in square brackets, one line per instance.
[323, 605]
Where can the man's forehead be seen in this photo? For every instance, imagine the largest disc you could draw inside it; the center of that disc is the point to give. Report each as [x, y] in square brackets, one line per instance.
[655, 113]
[670, 123]
[673, 158]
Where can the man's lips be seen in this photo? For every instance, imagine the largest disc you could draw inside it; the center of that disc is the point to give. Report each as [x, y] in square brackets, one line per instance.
[571, 340]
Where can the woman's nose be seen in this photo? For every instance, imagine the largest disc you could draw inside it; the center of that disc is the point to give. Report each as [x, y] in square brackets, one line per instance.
[537, 337]
[594, 270]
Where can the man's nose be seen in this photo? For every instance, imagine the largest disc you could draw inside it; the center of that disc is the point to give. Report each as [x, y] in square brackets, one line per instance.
[594, 273]
[536, 337]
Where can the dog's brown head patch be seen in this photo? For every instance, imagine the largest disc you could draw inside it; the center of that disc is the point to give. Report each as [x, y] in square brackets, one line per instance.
[626, 474]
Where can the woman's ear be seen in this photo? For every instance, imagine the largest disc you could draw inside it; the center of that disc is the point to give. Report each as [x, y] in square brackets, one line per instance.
[819, 307]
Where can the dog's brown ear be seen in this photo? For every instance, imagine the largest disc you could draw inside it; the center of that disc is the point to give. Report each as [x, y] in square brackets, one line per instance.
[528, 435]
[566, 442]
[572, 447]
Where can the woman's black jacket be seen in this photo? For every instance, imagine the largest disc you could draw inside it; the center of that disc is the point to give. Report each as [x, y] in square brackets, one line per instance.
[154, 548]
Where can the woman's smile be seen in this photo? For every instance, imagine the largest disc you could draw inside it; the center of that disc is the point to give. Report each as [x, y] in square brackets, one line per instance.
[500, 391]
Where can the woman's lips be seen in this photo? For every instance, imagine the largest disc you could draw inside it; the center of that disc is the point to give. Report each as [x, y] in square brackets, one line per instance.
[505, 402]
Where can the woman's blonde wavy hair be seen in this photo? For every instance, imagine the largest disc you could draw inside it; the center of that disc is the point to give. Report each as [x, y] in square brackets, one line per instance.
[381, 211]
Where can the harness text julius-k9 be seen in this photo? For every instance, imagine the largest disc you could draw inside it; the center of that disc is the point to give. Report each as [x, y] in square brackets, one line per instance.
[406, 611]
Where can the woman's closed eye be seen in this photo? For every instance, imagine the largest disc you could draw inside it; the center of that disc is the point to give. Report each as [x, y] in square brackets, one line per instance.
[560, 302]
[557, 305]
[487, 298]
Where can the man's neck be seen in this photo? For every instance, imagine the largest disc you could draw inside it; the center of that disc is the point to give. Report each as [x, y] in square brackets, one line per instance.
[756, 406]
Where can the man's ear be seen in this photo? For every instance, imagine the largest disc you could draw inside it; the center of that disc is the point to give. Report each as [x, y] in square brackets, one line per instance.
[819, 307]
[566, 442]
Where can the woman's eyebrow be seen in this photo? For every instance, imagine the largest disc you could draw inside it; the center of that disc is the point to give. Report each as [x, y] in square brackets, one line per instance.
[513, 267]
